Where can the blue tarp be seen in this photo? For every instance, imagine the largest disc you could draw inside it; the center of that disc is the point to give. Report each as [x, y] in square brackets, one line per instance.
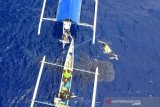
[69, 9]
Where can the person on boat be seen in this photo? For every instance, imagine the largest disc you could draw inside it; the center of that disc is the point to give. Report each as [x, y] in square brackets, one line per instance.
[66, 31]
[67, 74]
[66, 79]
[64, 90]
[67, 25]
[71, 96]
[65, 38]
[67, 96]
[63, 96]
[107, 50]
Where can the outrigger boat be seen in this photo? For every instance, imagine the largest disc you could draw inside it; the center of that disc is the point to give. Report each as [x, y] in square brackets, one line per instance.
[69, 12]
[64, 94]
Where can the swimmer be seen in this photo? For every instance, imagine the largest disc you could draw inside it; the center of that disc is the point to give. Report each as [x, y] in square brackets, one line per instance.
[107, 50]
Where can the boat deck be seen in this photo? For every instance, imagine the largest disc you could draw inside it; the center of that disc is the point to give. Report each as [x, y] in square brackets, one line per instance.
[65, 86]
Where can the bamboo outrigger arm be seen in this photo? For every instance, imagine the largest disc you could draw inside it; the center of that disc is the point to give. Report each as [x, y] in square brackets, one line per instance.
[95, 22]
[95, 88]
[37, 83]
[39, 77]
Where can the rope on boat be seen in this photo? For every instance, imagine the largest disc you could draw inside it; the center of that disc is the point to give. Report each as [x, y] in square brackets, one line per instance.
[81, 44]
[84, 42]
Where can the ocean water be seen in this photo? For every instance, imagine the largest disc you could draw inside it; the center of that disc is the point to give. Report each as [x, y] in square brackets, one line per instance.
[131, 26]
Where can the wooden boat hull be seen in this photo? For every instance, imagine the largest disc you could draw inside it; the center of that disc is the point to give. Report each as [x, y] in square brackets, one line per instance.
[66, 79]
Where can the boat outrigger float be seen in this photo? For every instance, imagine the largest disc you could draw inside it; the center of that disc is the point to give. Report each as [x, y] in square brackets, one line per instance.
[64, 94]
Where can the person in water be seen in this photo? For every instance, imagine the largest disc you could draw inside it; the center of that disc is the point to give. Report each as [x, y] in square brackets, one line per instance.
[107, 50]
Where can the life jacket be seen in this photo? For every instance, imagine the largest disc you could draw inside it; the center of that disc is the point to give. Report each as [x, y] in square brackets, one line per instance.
[107, 49]
[67, 84]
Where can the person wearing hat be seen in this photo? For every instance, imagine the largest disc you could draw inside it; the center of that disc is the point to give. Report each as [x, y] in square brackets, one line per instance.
[67, 74]
[65, 38]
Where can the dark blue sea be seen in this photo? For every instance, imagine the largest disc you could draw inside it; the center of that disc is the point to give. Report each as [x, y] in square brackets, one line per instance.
[131, 26]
